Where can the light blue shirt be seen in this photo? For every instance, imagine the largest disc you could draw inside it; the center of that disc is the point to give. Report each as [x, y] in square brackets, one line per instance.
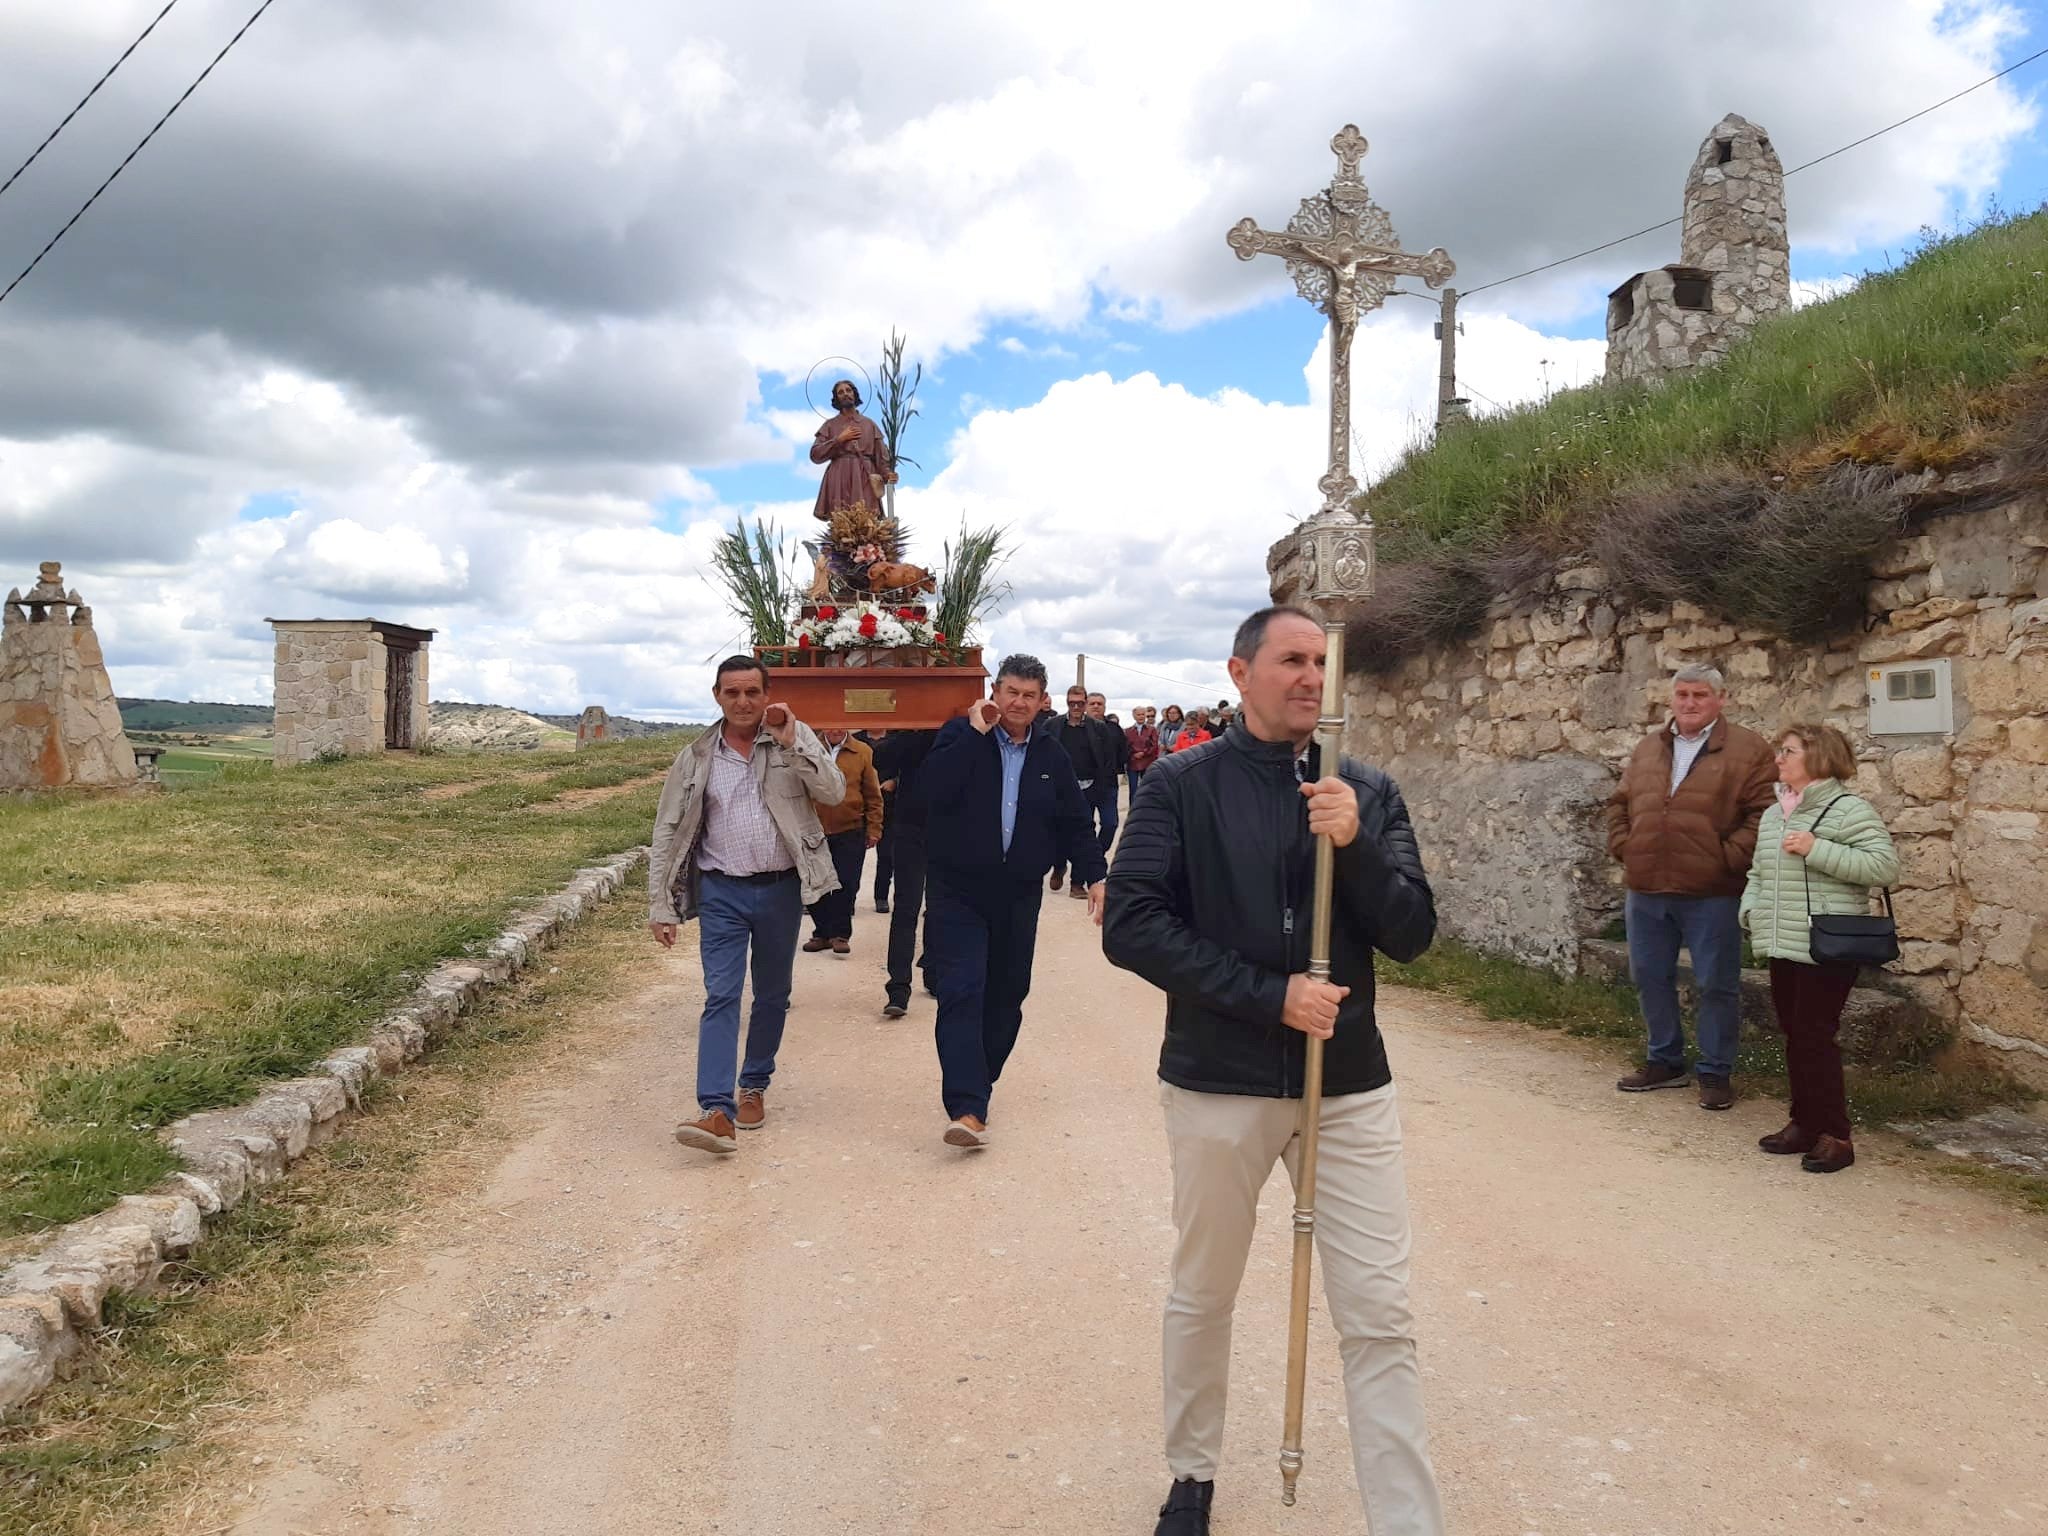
[1684, 750]
[1013, 779]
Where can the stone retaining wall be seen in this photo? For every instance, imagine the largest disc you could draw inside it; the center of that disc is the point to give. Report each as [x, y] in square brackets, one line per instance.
[51, 1300]
[1507, 744]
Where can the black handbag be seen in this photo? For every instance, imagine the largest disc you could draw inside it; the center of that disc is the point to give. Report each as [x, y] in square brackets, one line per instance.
[1840, 938]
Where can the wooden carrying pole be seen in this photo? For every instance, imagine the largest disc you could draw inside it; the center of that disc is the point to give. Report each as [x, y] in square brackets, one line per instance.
[1329, 739]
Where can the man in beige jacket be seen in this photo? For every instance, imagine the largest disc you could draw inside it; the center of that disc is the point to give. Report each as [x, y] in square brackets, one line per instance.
[852, 827]
[737, 844]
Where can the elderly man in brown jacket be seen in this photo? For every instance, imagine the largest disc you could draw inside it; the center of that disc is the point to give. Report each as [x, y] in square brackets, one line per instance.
[852, 827]
[1683, 824]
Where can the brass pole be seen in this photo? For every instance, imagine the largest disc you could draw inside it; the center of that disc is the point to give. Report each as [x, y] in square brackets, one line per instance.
[1330, 739]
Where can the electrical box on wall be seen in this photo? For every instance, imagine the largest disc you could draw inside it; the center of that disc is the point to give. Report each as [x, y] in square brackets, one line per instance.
[1911, 698]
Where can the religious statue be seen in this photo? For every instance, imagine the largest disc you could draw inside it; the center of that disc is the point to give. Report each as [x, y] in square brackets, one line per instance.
[856, 459]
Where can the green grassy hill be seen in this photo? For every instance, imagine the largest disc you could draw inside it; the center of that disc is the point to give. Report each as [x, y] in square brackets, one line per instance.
[174, 715]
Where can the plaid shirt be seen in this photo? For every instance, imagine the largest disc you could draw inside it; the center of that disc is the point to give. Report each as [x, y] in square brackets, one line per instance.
[739, 835]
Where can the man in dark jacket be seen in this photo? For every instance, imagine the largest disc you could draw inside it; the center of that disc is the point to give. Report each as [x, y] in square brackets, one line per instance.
[1001, 806]
[899, 761]
[1210, 900]
[1091, 746]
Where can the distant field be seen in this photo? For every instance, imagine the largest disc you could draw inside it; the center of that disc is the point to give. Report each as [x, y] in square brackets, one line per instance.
[176, 715]
[181, 767]
[161, 954]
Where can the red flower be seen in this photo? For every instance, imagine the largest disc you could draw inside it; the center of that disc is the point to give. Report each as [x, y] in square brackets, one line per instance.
[827, 613]
[939, 636]
[907, 615]
[803, 642]
[868, 625]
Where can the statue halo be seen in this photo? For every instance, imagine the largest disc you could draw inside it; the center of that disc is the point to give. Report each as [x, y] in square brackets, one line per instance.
[869, 393]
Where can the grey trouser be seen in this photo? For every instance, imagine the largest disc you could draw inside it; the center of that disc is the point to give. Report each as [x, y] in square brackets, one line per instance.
[1224, 1147]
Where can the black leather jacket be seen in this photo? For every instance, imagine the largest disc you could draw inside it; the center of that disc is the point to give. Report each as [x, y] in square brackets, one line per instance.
[1210, 900]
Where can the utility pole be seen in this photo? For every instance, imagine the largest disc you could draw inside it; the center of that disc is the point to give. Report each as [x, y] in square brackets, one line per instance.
[1081, 673]
[1447, 356]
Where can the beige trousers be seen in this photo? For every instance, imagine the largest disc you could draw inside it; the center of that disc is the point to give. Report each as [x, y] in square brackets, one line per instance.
[1224, 1147]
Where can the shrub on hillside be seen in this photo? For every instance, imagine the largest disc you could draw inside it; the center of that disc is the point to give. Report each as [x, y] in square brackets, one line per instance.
[1789, 559]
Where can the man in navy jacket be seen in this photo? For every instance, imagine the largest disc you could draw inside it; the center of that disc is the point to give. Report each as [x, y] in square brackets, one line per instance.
[1003, 807]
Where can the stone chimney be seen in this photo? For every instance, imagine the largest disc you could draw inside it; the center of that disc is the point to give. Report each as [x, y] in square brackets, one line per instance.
[59, 724]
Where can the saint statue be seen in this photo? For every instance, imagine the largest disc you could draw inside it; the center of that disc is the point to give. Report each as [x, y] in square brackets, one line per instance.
[856, 460]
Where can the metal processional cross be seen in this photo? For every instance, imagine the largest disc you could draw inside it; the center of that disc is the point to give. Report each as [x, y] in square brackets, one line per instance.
[1341, 250]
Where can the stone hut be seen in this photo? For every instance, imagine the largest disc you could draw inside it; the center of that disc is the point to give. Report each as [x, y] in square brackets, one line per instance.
[1508, 742]
[1734, 263]
[593, 725]
[59, 724]
[353, 686]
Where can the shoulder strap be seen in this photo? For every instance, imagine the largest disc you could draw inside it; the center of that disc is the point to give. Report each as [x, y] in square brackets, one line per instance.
[1806, 866]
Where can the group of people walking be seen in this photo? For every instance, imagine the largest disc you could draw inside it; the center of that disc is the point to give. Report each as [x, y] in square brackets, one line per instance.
[1719, 833]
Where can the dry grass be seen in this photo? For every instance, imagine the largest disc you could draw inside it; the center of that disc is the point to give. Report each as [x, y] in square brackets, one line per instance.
[139, 1441]
[162, 954]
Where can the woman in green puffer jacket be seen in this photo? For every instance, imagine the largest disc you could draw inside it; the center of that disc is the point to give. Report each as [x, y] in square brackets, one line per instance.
[1819, 849]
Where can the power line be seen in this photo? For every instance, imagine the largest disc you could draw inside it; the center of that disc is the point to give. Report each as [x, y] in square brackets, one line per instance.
[88, 96]
[254, 17]
[1804, 166]
[1157, 677]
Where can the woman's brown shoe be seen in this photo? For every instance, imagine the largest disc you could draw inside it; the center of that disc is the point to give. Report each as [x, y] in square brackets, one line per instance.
[1830, 1154]
[1789, 1140]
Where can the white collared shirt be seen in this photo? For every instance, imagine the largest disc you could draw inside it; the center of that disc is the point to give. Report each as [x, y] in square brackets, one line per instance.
[1684, 751]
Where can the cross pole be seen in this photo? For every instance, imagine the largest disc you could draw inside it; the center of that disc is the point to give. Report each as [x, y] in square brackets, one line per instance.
[1343, 255]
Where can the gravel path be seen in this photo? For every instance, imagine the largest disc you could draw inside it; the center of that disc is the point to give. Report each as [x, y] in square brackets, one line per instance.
[1633, 1323]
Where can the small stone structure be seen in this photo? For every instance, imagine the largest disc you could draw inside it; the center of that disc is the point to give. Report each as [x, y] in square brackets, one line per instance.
[1734, 263]
[349, 686]
[1507, 745]
[595, 725]
[59, 723]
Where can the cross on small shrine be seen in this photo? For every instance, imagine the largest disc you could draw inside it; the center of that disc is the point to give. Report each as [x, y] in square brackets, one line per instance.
[1342, 252]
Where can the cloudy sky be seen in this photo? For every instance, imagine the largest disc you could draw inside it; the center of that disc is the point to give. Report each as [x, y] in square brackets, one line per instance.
[489, 315]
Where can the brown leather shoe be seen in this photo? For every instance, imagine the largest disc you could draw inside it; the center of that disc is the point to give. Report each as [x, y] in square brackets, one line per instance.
[1078, 891]
[1716, 1092]
[1059, 878]
[842, 947]
[816, 944]
[709, 1133]
[1830, 1154]
[753, 1109]
[1788, 1141]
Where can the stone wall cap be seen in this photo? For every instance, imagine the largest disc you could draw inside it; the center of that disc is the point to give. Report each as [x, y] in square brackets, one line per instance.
[379, 626]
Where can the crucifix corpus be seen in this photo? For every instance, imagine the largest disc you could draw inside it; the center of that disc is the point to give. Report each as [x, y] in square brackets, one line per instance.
[1341, 251]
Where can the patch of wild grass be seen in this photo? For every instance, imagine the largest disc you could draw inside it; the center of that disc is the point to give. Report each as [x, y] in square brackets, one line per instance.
[169, 953]
[140, 1429]
[1905, 369]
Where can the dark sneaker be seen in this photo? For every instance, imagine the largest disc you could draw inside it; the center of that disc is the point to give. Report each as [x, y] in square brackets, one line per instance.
[1788, 1142]
[895, 1008]
[711, 1133]
[1830, 1154]
[816, 944]
[753, 1109]
[1652, 1074]
[882, 906]
[1186, 1510]
[1716, 1092]
[842, 947]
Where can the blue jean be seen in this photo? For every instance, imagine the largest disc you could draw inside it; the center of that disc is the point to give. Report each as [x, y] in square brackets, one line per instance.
[1706, 927]
[733, 916]
[981, 932]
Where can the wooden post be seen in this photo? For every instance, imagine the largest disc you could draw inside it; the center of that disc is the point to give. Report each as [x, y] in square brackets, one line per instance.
[1447, 356]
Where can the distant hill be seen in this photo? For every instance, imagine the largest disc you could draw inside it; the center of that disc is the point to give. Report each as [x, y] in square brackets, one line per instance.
[174, 715]
[457, 726]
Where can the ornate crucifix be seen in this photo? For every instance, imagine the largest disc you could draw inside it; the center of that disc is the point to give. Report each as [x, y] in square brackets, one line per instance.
[1342, 253]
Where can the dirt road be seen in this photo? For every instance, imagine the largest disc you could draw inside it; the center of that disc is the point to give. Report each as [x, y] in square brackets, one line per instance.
[1633, 1323]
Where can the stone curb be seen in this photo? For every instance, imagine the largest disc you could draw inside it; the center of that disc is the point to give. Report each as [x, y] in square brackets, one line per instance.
[50, 1300]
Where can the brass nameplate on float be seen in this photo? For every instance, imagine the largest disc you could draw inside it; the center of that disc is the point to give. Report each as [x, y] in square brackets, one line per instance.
[870, 701]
